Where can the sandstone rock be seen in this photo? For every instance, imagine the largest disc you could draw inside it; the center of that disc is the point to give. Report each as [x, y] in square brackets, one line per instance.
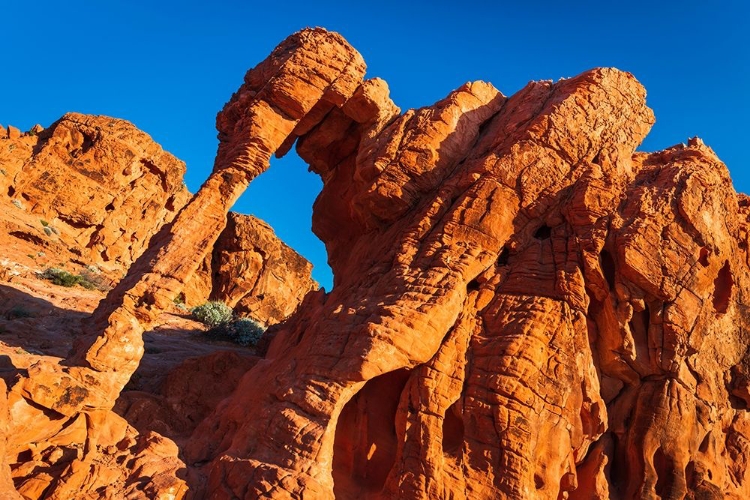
[310, 67]
[13, 132]
[188, 393]
[127, 187]
[7, 491]
[253, 272]
[523, 307]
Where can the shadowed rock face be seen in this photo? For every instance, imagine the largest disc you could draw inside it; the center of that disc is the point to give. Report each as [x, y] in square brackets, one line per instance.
[523, 306]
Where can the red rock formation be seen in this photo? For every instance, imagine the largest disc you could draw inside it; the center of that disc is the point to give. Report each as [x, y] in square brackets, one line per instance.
[126, 188]
[308, 74]
[523, 307]
[253, 272]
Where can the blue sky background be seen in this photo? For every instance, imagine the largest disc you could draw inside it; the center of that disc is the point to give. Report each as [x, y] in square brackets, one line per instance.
[169, 66]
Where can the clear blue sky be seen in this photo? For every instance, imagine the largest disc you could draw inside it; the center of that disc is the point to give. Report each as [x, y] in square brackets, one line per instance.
[169, 66]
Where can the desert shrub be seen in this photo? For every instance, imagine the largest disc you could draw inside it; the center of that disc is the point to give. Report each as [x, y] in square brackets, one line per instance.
[244, 331]
[92, 280]
[179, 301]
[86, 279]
[44, 222]
[212, 313]
[18, 311]
[61, 277]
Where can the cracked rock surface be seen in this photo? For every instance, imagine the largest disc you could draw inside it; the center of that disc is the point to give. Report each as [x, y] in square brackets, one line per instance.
[523, 306]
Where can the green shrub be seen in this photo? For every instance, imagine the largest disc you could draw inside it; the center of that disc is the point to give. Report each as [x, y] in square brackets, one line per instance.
[44, 222]
[18, 311]
[61, 277]
[92, 280]
[212, 313]
[244, 331]
[86, 279]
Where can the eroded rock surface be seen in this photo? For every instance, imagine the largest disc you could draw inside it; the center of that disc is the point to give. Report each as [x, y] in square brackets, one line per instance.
[89, 189]
[523, 306]
[252, 271]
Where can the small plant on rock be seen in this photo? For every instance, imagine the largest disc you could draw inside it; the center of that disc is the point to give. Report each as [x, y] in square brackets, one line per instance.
[87, 280]
[91, 279]
[61, 277]
[244, 331]
[213, 313]
[18, 311]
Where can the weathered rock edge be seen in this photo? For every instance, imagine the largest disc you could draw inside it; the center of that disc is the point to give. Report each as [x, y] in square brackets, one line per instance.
[523, 306]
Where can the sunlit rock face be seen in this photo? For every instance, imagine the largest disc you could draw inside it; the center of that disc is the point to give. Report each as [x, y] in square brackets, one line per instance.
[523, 306]
[102, 187]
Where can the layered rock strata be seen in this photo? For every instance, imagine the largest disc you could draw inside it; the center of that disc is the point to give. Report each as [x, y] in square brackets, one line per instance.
[523, 306]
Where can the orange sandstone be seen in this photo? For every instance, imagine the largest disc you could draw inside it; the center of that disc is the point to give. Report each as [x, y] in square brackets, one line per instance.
[524, 307]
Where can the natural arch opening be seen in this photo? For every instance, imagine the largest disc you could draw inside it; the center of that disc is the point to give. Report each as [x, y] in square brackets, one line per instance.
[283, 196]
[365, 443]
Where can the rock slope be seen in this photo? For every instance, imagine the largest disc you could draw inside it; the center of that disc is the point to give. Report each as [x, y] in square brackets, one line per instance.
[98, 189]
[524, 307]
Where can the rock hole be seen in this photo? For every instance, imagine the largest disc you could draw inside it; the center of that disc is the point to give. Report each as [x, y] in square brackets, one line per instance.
[472, 286]
[502, 259]
[598, 158]
[543, 233]
[619, 469]
[170, 204]
[538, 481]
[664, 474]
[453, 431]
[109, 207]
[608, 268]
[88, 142]
[11, 191]
[24, 456]
[25, 196]
[703, 448]
[723, 288]
[703, 257]
[365, 442]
